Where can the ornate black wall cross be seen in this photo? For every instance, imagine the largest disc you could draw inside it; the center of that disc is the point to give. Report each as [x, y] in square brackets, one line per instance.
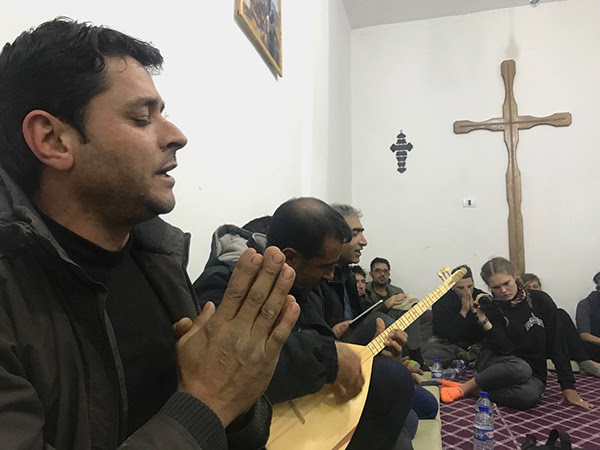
[401, 147]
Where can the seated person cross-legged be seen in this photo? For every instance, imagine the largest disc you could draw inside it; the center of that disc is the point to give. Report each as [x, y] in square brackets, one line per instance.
[456, 333]
[576, 346]
[521, 330]
[588, 321]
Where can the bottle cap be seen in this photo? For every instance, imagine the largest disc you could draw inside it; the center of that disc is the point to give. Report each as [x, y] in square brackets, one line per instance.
[484, 394]
[436, 360]
[484, 408]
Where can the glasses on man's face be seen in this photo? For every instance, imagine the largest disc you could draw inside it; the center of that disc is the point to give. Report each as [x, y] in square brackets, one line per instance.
[383, 271]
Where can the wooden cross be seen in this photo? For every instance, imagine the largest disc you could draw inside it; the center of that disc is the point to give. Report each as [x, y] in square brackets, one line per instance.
[510, 123]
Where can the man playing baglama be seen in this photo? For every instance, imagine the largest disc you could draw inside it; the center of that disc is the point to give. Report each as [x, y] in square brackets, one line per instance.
[311, 235]
[457, 333]
[93, 280]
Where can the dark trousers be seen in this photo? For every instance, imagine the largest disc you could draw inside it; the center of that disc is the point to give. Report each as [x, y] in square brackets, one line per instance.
[388, 402]
[593, 350]
[508, 380]
[424, 403]
[577, 348]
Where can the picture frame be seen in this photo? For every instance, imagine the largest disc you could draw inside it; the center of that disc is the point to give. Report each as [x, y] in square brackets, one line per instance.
[262, 22]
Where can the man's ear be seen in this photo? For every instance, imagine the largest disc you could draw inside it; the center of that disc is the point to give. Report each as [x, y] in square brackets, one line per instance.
[51, 140]
[291, 255]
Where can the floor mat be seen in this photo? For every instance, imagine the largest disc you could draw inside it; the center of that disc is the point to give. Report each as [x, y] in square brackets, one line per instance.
[511, 426]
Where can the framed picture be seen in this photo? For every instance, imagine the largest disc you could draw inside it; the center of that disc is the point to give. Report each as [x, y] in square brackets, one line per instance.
[262, 21]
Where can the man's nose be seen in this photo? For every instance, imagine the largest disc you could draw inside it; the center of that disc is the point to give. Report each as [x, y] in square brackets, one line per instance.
[172, 138]
[363, 240]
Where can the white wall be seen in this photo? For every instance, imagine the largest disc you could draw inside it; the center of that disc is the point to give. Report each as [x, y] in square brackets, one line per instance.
[254, 140]
[421, 77]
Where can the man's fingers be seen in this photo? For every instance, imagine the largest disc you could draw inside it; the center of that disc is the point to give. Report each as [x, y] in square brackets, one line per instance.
[393, 347]
[270, 277]
[379, 326]
[340, 328]
[416, 378]
[272, 309]
[280, 333]
[399, 336]
[181, 327]
[239, 284]
[198, 323]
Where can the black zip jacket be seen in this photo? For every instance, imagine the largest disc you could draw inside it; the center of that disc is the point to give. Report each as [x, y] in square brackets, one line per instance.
[532, 334]
[61, 379]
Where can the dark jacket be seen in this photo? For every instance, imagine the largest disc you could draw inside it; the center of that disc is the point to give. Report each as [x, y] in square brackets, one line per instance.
[449, 324]
[308, 359]
[333, 295]
[532, 334]
[61, 378]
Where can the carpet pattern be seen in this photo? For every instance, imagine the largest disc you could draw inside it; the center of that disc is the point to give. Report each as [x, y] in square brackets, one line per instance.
[511, 426]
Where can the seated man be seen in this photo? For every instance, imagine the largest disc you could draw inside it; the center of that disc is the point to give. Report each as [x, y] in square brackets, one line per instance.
[93, 280]
[396, 303]
[361, 281]
[588, 320]
[456, 332]
[311, 235]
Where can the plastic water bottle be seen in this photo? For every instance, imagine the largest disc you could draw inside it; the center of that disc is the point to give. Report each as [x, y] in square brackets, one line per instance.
[460, 365]
[483, 430]
[484, 399]
[457, 369]
[436, 370]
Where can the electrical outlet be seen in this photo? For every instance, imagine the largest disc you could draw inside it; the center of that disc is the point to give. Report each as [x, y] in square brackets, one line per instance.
[469, 203]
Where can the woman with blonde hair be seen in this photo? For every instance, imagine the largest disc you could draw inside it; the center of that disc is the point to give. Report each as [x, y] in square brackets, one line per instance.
[521, 330]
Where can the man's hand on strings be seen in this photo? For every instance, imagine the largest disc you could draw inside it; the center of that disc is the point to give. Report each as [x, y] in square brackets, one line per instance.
[394, 342]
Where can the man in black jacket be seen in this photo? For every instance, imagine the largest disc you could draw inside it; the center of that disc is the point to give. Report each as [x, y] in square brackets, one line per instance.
[456, 333]
[311, 234]
[93, 280]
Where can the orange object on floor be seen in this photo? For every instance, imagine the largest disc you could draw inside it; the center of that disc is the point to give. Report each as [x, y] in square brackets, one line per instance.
[448, 383]
[449, 394]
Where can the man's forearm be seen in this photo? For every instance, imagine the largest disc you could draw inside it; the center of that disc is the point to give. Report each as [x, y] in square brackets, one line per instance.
[590, 338]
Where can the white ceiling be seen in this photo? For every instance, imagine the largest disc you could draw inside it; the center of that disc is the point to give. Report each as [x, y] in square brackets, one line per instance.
[367, 13]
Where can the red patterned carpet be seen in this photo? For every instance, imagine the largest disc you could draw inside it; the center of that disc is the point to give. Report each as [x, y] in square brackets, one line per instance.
[511, 426]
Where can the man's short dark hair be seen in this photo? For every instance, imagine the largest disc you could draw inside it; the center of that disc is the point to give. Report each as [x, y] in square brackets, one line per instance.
[469, 273]
[304, 223]
[259, 225]
[356, 269]
[379, 260]
[57, 67]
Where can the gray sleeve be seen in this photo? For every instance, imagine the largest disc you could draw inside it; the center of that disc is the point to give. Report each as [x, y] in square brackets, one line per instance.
[582, 317]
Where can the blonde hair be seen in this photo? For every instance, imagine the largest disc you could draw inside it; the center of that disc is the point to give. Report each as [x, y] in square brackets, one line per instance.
[504, 266]
[498, 265]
